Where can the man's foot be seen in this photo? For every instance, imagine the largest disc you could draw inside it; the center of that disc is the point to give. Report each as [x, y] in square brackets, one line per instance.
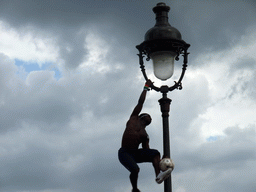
[135, 190]
[163, 175]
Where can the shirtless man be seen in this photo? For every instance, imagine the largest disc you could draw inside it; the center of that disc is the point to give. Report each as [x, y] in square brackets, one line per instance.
[134, 135]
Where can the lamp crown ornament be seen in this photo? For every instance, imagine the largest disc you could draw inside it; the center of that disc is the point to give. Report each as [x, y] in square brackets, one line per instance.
[162, 28]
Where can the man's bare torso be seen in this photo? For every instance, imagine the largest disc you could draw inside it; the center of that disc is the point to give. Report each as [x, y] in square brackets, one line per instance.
[134, 134]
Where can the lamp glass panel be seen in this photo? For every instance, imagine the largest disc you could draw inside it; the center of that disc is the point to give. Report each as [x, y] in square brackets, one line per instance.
[163, 64]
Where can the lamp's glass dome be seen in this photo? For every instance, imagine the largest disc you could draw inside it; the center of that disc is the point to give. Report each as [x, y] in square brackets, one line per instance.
[163, 64]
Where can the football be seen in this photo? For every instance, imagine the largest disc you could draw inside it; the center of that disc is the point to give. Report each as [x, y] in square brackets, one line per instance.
[165, 164]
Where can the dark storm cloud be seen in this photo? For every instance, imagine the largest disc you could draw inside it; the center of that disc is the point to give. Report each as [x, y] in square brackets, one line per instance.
[211, 25]
[72, 48]
[51, 14]
[200, 16]
[206, 25]
[65, 19]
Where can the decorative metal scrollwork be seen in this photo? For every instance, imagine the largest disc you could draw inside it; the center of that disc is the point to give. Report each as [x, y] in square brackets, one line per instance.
[177, 84]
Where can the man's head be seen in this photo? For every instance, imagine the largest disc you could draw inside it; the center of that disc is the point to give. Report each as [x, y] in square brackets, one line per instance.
[145, 118]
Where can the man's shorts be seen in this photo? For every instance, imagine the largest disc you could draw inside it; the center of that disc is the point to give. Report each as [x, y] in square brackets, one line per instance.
[130, 157]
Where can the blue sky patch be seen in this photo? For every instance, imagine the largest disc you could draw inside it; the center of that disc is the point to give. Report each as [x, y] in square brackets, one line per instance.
[212, 138]
[32, 66]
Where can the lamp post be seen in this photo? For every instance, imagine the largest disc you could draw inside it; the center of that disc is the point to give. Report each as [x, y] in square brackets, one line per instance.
[163, 44]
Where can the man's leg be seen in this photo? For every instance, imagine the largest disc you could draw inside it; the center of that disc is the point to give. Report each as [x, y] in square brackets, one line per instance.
[128, 161]
[149, 155]
[152, 155]
[134, 180]
[155, 163]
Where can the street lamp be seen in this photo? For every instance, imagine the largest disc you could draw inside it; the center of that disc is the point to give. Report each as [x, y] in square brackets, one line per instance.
[163, 44]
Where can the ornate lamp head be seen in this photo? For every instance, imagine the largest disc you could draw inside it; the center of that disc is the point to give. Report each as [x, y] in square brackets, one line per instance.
[163, 43]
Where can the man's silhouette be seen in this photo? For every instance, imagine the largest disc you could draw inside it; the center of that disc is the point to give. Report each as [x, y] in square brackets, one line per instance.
[134, 135]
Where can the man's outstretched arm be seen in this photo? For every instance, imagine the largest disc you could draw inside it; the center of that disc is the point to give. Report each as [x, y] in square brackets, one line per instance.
[142, 98]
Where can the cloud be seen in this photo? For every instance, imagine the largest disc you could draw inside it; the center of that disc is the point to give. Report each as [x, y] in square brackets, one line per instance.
[230, 86]
[26, 45]
[63, 134]
[211, 26]
[212, 163]
[34, 99]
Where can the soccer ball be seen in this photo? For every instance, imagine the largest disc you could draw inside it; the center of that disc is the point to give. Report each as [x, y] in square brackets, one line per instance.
[165, 164]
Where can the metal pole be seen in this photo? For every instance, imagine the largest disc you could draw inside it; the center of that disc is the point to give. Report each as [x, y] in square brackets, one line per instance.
[165, 108]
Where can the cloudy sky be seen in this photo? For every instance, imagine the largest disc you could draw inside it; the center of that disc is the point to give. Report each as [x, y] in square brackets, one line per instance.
[69, 79]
